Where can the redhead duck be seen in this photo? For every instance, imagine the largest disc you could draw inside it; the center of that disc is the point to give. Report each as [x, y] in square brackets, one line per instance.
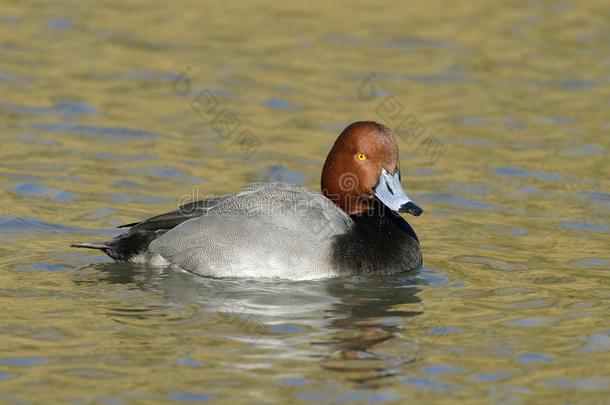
[288, 231]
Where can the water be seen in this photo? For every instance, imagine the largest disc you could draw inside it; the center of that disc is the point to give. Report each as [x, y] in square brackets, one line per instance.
[107, 118]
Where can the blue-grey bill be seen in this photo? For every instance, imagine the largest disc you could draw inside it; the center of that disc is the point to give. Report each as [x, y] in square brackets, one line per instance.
[390, 192]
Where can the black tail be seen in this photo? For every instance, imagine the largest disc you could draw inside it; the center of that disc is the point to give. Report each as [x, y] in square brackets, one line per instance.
[125, 246]
[90, 246]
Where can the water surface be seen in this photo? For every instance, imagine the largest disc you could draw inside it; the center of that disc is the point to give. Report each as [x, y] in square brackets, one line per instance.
[114, 112]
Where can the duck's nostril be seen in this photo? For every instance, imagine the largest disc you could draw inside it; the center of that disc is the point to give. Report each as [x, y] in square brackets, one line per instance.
[389, 188]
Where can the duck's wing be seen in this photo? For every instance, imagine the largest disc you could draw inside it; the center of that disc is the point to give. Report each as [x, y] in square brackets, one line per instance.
[170, 219]
[274, 205]
[278, 204]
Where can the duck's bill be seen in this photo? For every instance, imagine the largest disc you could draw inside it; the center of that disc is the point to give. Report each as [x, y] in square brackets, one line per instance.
[390, 192]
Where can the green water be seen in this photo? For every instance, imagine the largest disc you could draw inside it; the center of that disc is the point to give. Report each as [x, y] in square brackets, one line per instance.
[106, 118]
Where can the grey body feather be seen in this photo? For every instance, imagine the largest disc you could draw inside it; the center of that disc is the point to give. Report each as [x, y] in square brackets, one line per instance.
[265, 230]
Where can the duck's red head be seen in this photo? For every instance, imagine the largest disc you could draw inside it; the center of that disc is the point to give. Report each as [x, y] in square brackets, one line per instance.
[363, 167]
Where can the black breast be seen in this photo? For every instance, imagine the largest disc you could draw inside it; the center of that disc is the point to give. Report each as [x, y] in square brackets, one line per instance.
[379, 244]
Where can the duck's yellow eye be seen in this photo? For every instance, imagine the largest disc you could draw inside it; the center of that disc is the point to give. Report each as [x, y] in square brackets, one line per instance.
[361, 156]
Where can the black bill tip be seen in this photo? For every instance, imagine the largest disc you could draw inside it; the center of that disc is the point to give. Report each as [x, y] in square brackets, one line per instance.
[411, 208]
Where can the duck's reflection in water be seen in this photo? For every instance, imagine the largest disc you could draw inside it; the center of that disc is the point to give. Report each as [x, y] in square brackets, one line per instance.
[346, 322]
[371, 313]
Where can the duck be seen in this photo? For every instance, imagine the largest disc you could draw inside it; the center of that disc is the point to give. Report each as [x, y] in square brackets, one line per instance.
[353, 227]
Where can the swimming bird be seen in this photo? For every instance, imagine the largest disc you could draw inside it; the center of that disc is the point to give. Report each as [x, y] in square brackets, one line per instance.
[352, 227]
